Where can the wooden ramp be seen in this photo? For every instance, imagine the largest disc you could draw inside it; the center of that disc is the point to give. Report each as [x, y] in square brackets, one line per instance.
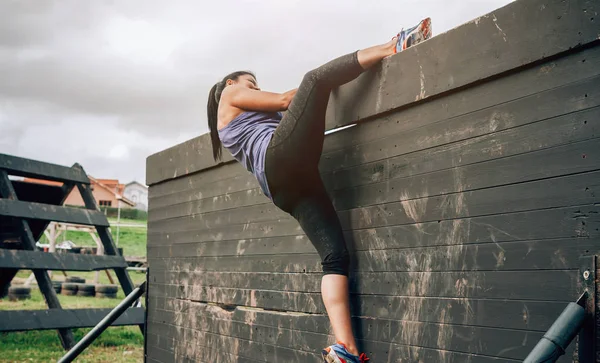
[26, 209]
[469, 194]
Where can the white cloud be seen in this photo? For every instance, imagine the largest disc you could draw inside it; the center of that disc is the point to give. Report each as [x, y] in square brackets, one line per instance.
[108, 83]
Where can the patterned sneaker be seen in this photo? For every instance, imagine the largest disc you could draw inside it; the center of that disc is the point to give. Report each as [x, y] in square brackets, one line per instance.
[337, 353]
[413, 36]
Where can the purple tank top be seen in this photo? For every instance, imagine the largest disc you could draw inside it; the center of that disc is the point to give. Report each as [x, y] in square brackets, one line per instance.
[247, 137]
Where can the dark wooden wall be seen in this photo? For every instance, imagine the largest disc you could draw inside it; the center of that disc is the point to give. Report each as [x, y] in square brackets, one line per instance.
[469, 193]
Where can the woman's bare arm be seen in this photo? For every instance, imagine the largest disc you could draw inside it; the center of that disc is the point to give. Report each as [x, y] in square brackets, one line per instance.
[254, 100]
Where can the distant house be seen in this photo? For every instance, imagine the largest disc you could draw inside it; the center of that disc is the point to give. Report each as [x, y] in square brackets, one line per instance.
[107, 192]
[138, 194]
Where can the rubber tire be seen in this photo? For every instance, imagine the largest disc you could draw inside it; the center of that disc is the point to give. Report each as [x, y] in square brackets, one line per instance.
[70, 286]
[75, 279]
[68, 292]
[103, 295]
[19, 290]
[85, 293]
[107, 289]
[18, 297]
[87, 288]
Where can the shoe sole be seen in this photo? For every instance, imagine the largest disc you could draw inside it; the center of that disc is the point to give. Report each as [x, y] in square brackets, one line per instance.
[328, 358]
[424, 28]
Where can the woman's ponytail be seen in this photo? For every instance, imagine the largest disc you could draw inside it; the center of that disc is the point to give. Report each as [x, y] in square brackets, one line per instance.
[212, 109]
[214, 96]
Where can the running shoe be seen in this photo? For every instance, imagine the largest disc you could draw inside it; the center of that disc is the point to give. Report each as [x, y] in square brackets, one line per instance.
[337, 353]
[413, 36]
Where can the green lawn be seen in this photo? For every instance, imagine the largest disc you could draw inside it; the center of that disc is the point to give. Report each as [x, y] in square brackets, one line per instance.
[112, 221]
[131, 239]
[118, 344]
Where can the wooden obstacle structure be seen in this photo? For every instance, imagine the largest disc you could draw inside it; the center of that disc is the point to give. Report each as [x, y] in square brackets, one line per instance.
[53, 232]
[468, 192]
[26, 209]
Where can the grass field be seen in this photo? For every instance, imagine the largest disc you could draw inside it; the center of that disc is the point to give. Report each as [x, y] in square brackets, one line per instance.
[131, 239]
[117, 344]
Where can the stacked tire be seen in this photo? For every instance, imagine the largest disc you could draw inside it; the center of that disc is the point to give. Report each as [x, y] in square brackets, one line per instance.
[86, 290]
[57, 285]
[16, 293]
[69, 288]
[75, 279]
[107, 291]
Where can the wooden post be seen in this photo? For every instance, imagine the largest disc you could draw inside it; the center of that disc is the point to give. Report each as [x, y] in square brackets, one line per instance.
[52, 227]
[99, 252]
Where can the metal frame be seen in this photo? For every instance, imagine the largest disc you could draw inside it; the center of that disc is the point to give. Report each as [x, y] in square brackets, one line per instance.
[105, 323]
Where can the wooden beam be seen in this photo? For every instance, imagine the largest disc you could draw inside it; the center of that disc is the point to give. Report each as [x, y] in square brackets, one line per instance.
[8, 192]
[47, 212]
[37, 169]
[22, 320]
[32, 260]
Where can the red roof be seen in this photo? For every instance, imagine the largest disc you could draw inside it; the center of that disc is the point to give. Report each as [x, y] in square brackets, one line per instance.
[112, 185]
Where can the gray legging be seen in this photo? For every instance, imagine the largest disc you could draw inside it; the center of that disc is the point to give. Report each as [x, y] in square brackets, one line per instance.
[292, 158]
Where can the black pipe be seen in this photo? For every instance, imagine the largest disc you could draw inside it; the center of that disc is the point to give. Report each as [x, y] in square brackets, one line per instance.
[556, 340]
[103, 324]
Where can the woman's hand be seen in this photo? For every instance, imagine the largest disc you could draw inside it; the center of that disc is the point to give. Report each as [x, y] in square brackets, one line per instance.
[288, 97]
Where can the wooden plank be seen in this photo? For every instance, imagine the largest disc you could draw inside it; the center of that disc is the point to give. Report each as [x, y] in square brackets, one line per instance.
[493, 313]
[242, 182]
[209, 177]
[17, 166]
[184, 217]
[527, 225]
[22, 320]
[499, 256]
[572, 158]
[43, 280]
[484, 341]
[197, 352]
[168, 350]
[48, 212]
[503, 40]
[285, 253]
[549, 193]
[453, 143]
[553, 285]
[172, 162]
[32, 260]
[514, 198]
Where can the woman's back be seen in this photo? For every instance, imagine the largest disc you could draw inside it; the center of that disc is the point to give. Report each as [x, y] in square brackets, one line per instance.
[247, 136]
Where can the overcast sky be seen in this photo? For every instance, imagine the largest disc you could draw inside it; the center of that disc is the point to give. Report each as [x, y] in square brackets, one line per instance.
[107, 83]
